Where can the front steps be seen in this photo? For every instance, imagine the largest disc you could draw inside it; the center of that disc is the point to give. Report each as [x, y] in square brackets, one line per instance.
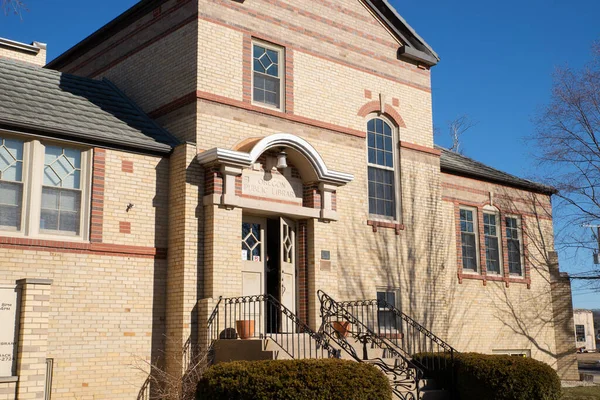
[302, 347]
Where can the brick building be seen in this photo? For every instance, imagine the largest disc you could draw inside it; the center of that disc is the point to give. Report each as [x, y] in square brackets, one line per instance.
[133, 161]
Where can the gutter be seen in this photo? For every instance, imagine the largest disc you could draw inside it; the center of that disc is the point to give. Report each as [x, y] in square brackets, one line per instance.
[33, 48]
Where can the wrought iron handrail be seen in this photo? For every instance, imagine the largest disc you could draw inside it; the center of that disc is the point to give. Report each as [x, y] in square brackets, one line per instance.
[338, 322]
[406, 334]
[264, 317]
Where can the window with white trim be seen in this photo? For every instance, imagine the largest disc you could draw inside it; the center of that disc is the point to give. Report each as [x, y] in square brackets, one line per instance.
[386, 318]
[493, 244]
[11, 183]
[381, 169]
[514, 241]
[268, 71]
[44, 188]
[468, 238]
[580, 333]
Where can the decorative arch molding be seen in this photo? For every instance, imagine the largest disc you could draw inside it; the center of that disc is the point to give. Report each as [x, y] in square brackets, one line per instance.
[375, 107]
[278, 140]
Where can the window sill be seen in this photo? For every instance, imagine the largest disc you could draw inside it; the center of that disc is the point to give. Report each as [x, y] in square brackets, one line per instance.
[375, 224]
[43, 236]
[493, 278]
[9, 379]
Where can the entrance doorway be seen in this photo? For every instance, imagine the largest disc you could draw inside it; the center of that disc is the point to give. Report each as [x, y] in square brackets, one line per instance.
[269, 263]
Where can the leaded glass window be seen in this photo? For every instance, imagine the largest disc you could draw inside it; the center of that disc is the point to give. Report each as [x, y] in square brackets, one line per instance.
[251, 242]
[267, 66]
[61, 191]
[513, 241]
[492, 242]
[381, 175]
[11, 183]
[468, 236]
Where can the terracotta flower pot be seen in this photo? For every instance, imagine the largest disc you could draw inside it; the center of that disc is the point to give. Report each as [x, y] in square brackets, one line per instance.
[341, 328]
[245, 328]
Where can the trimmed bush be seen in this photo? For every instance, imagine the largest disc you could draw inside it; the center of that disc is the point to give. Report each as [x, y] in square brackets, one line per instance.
[497, 377]
[326, 379]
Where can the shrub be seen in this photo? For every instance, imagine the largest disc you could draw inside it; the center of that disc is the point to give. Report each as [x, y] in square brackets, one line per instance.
[326, 379]
[497, 377]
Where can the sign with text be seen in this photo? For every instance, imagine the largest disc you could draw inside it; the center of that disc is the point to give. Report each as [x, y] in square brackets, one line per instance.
[272, 186]
[8, 330]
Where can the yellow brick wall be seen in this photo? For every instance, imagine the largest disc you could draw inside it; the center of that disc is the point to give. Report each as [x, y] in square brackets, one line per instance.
[147, 189]
[105, 315]
[38, 59]
[494, 317]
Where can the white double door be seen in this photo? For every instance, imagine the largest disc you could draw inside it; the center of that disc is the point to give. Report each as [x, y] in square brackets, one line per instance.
[254, 259]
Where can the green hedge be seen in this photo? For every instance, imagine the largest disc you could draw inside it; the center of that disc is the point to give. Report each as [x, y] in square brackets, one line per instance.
[496, 377]
[327, 379]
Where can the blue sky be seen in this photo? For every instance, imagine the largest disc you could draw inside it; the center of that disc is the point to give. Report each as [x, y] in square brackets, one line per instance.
[496, 64]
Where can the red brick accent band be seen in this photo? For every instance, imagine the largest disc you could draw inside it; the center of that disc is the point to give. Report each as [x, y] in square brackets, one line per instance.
[374, 106]
[327, 57]
[289, 81]
[247, 68]
[129, 36]
[311, 196]
[105, 249]
[422, 149]
[124, 227]
[249, 107]
[368, 94]
[97, 212]
[303, 270]
[127, 166]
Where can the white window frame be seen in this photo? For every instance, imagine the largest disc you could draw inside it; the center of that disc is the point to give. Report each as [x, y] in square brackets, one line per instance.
[522, 353]
[33, 170]
[476, 232]
[521, 244]
[281, 51]
[396, 293]
[493, 210]
[395, 170]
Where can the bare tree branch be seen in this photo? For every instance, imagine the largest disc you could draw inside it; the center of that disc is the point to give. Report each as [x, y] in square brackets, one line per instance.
[13, 7]
[568, 149]
[457, 128]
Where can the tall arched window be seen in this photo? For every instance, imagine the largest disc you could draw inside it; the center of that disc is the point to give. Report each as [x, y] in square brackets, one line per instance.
[381, 168]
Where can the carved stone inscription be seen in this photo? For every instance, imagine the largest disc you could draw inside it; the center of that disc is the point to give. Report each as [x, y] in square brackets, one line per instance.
[8, 325]
[272, 185]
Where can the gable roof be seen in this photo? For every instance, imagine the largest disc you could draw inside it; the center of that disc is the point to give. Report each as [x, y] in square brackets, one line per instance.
[54, 104]
[457, 164]
[416, 48]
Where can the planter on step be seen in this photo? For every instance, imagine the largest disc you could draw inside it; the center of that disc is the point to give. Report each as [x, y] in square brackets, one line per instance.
[341, 328]
[245, 328]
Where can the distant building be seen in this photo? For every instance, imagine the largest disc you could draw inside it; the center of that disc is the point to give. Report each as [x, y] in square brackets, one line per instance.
[585, 334]
[597, 326]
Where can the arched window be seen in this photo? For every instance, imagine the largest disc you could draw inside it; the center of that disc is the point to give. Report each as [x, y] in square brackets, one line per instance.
[381, 168]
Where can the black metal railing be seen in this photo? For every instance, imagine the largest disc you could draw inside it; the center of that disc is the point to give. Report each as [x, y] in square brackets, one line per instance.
[350, 331]
[264, 317]
[404, 332]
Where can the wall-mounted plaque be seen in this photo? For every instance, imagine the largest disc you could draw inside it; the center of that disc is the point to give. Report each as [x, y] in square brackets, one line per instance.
[273, 186]
[8, 331]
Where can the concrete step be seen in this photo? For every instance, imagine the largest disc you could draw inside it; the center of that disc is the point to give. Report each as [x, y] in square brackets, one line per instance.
[227, 350]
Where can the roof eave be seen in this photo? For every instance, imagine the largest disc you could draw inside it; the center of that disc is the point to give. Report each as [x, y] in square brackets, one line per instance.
[136, 11]
[84, 138]
[533, 187]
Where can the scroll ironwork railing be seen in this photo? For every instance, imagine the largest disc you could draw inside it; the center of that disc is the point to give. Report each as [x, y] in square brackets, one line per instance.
[403, 332]
[340, 325]
[264, 317]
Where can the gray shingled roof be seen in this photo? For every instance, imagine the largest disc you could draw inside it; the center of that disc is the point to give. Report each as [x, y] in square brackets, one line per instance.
[55, 104]
[458, 164]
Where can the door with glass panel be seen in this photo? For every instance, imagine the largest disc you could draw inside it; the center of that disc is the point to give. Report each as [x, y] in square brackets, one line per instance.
[288, 263]
[253, 269]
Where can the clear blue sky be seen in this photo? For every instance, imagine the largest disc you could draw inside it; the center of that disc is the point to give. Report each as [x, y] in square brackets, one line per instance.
[496, 64]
